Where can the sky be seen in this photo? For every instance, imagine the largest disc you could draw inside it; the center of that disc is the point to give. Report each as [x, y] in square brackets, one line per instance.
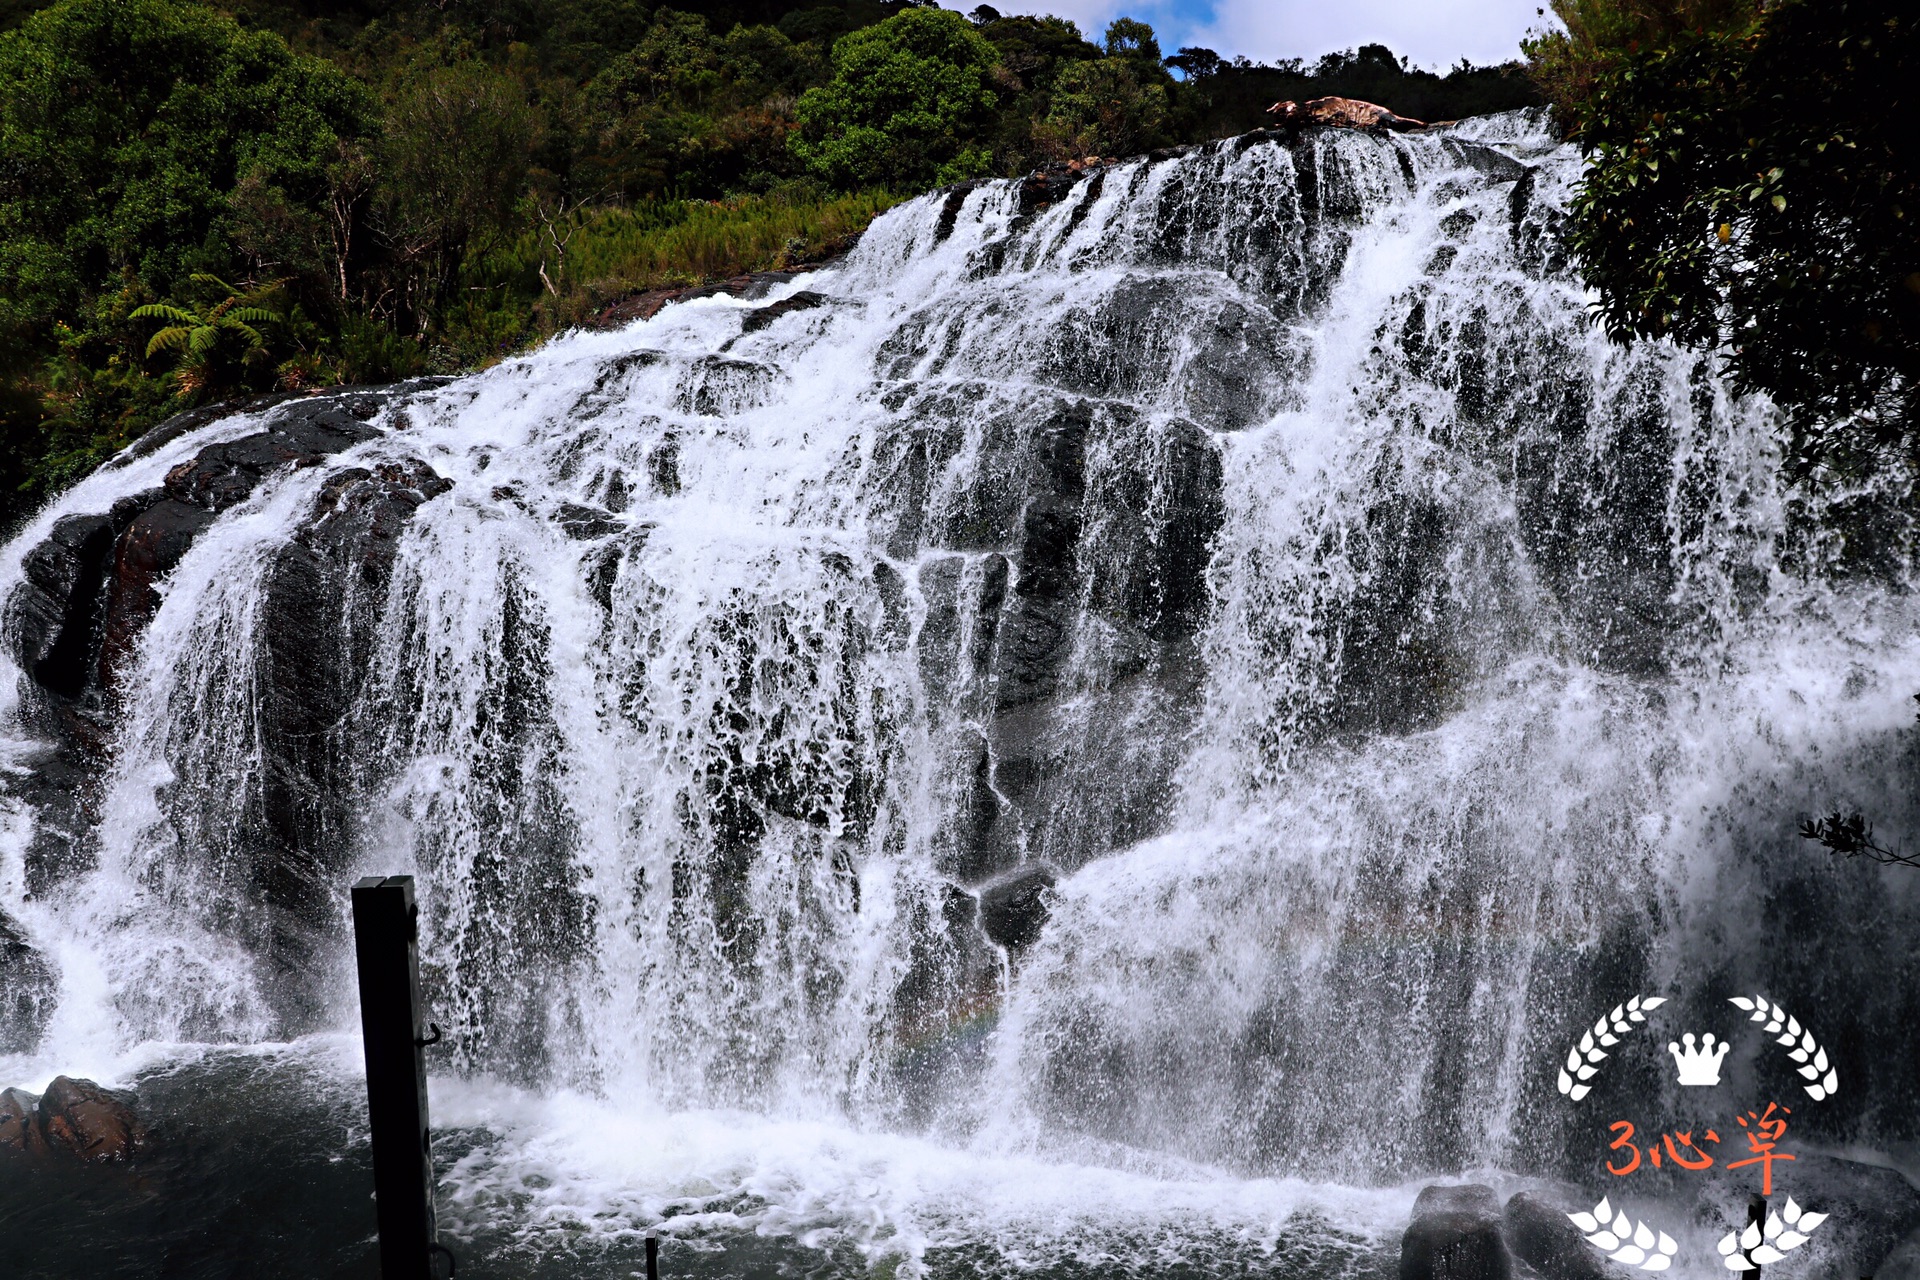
[1435, 33]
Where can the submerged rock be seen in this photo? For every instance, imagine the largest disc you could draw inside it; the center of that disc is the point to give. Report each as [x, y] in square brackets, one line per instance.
[1455, 1235]
[74, 1118]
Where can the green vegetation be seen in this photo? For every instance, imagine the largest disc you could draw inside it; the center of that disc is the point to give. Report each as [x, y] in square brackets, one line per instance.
[202, 201]
[1754, 189]
[908, 102]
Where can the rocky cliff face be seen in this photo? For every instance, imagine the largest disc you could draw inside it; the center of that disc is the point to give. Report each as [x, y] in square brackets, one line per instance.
[88, 593]
[1184, 609]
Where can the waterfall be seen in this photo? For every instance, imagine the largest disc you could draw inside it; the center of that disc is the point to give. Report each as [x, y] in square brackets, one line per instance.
[1210, 664]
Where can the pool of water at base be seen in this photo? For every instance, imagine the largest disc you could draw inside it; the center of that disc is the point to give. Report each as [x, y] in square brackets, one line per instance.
[258, 1165]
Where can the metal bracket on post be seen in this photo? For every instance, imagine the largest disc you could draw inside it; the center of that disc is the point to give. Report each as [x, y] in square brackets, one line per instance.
[386, 945]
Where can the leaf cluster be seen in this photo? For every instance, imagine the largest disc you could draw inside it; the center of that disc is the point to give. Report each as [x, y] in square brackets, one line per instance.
[1754, 191]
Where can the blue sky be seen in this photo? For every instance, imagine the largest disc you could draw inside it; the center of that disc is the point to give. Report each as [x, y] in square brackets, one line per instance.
[1434, 33]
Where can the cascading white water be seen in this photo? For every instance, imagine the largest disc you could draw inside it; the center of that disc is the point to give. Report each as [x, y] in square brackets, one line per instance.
[1262, 540]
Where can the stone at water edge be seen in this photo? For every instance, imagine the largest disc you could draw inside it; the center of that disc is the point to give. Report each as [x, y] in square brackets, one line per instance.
[1455, 1235]
[19, 1128]
[1539, 1233]
[75, 1117]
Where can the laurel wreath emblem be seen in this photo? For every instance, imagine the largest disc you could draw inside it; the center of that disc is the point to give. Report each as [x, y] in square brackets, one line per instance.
[1799, 1044]
[1634, 1244]
[1584, 1059]
[1759, 1246]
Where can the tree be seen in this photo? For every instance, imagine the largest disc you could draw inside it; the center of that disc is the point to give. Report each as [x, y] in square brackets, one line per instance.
[908, 99]
[1129, 38]
[1754, 191]
[126, 126]
[1195, 62]
[454, 160]
[1103, 108]
[1117, 105]
[1598, 34]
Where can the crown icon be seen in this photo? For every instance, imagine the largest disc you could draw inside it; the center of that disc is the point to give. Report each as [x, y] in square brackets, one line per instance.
[1699, 1066]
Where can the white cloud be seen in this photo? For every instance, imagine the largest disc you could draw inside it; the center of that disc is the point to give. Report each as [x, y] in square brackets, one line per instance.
[1434, 33]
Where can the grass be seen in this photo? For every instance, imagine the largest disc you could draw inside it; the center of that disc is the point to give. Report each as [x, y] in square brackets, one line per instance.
[665, 243]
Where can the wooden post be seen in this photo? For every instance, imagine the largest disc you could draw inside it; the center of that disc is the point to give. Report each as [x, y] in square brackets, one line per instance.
[386, 935]
[653, 1256]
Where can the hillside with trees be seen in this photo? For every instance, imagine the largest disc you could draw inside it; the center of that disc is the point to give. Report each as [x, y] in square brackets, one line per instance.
[199, 203]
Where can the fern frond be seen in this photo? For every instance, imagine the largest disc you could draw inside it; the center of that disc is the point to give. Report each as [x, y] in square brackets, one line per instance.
[163, 311]
[172, 338]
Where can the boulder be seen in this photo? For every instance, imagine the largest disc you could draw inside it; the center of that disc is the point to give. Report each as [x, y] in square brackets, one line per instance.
[26, 990]
[1015, 909]
[75, 1118]
[760, 317]
[49, 617]
[1455, 1235]
[19, 1127]
[84, 1120]
[91, 586]
[1539, 1233]
[1343, 113]
[1873, 1208]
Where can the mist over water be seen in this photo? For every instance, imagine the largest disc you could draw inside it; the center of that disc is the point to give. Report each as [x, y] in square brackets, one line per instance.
[1259, 546]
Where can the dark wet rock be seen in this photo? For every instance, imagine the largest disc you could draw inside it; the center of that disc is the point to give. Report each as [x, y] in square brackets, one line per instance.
[1455, 1235]
[322, 600]
[1047, 186]
[894, 626]
[19, 1126]
[1873, 1209]
[715, 386]
[73, 1118]
[1015, 909]
[663, 466]
[52, 617]
[79, 1118]
[58, 784]
[91, 586]
[146, 552]
[583, 523]
[92, 589]
[1902, 1261]
[760, 317]
[1539, 1233]
[27, 990]
[193, 419]
[1494, 164]
[1034, 642]
[223, 475]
